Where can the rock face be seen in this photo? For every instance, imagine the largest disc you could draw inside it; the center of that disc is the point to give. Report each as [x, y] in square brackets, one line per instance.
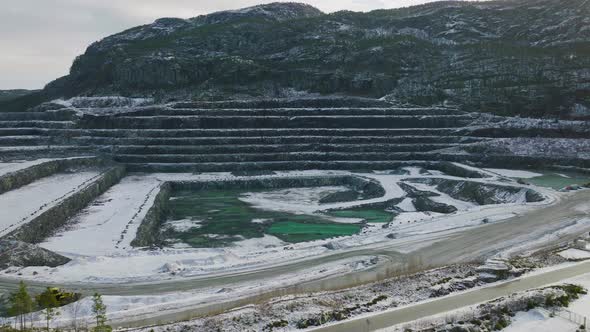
[20, 254]
[525, 57]
[412, 192]
[426, 204]
[340, 196]
[482, 194]
[7, 95]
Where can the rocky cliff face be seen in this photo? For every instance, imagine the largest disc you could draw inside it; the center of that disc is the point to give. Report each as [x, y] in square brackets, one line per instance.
[7, 95]
[528, 57]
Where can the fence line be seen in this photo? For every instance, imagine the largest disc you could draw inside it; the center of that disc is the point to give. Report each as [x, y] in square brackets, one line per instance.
[571, 316]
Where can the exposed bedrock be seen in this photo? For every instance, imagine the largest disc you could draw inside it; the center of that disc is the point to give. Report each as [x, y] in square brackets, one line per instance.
[286, 103]
[424, 204]
[57, 216]
[39, 115]
[263, 135]
[340, 196]
[21, 254]
[455, 170]
[272, 121]
[413, 192]
[370, 188]
[482, 193]
[23, 177]
[148, 233]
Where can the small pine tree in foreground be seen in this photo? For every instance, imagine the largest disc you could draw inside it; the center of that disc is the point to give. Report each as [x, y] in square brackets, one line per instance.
[99, 309]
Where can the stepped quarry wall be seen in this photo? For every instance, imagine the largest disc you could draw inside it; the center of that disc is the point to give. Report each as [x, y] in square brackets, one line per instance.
[28, 175]
[49, 221]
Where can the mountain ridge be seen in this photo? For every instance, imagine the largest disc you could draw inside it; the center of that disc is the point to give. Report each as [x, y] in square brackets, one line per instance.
[508, 57]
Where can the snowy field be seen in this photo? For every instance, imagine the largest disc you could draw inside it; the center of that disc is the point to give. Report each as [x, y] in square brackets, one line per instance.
[24, 204]
[511, 173]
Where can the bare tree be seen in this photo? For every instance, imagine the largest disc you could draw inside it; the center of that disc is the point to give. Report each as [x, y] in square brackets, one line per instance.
[74, 310]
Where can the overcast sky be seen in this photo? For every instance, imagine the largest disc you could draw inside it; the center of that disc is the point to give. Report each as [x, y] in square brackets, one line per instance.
[40, 38]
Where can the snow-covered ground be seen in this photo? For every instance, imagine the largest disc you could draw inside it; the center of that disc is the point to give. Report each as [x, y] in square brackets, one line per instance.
[582, 305]
[14, 166]
[98, 238]
[539, 321]
[98, 241]
[293, 200]
[24, 204]
[110, 223]
[17, 165]
[139, 307]
[542, 321]
[512, 173]
[103, 105]
[575, 254]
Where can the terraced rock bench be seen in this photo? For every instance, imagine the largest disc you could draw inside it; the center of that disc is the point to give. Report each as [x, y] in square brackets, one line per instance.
[344, 133]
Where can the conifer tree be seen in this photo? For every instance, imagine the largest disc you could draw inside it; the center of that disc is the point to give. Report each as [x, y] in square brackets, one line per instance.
[99, 309]
[49, 302]
[20, 305]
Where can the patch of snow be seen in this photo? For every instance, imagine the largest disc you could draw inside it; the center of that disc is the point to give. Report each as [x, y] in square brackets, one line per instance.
[539, 321]
[183, 225]
[407, 205]
[267, 241]
[582, 305]
[294, 200]
[414, 171]
[260, 221]
[512, 173]
[103, 102]
[574, 254]
[15, 166]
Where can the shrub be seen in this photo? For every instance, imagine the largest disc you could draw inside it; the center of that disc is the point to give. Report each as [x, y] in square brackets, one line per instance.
[501, 324]
[476, 322]
[531, 305]
[276, 324]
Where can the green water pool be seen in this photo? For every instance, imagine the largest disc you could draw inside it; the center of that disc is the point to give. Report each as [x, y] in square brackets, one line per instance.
[557, 181]
[222, 218]
[369, 215]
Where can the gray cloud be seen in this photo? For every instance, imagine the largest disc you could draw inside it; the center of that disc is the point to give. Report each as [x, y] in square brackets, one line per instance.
[39, 39]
